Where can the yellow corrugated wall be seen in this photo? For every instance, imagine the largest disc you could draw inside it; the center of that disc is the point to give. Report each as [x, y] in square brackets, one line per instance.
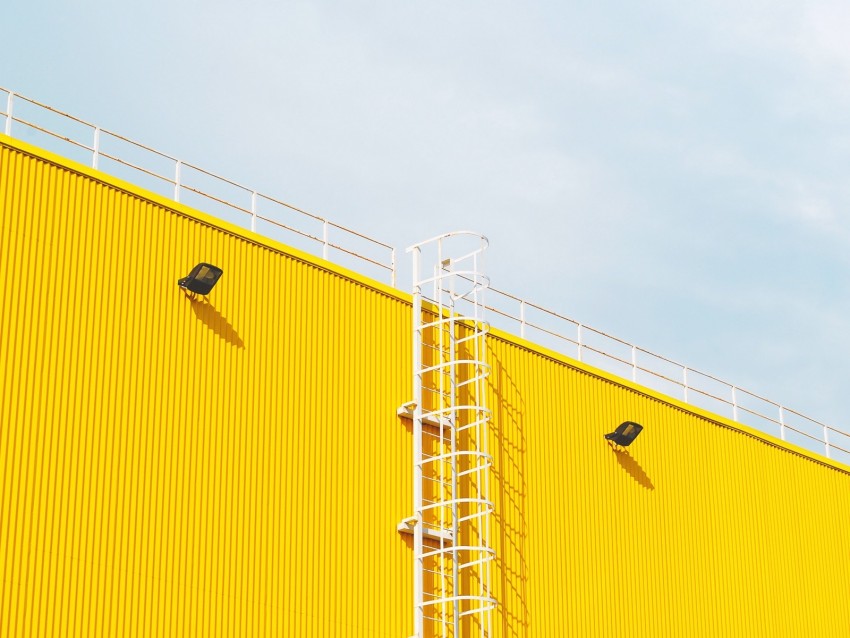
[171, 467]
[697, 529]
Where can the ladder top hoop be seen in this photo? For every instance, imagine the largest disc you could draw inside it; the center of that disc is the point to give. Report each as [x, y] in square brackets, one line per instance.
[457, 233]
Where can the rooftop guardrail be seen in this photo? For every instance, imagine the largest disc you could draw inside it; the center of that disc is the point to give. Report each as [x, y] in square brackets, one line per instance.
[44, 126]
[161, 173]
[572, 338]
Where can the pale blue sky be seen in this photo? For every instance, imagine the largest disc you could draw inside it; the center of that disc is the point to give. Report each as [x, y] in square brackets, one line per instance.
[673, 173]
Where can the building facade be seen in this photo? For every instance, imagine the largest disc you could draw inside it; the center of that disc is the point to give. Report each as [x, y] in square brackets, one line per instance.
[236, 464]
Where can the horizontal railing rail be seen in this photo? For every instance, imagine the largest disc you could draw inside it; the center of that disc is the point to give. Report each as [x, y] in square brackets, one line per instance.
[572, 338]
[182, 181]
[167, 175]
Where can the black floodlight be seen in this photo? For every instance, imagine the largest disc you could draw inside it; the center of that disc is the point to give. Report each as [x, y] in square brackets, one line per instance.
[625, 433]
[202, 279]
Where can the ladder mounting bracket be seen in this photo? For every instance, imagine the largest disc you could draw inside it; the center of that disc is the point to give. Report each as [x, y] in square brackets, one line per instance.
[407, 526]
[406, 412]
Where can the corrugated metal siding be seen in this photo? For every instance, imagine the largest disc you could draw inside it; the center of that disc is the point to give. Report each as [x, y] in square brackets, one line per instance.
[175, 467]
[171, 467]
[697, 529]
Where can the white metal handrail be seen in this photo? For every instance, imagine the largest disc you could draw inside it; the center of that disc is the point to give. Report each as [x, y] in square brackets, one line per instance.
[145, 162]
[550, 328]
[697, 388]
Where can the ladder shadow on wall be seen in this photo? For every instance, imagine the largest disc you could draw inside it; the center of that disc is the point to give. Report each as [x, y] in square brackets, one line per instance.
[510, 476]
[216, 322]
[628, 463]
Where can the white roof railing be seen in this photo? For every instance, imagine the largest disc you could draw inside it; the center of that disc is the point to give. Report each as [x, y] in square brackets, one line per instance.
[572, 338]
[161, 173]
[181, 181]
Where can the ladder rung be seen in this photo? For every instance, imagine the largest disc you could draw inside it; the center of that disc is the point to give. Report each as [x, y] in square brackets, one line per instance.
[436, 573]
[437, 481]
[439, 620]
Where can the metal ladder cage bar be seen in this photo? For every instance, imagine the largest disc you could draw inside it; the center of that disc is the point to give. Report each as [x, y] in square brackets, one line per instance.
[446, 516]
[478, 382]
[478, 462]
[453, 597]
[469, 426]
[472, 453]
[480, 507]
[441, 267]
[477, 469]
[451, 476]
[486, 414]
[466, 500]
[478, 514]
[484, 329]
[448, 365]
[478, 280]
[460, 548]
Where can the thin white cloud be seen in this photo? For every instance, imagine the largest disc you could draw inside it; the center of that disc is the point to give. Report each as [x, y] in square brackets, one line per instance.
[822, 37]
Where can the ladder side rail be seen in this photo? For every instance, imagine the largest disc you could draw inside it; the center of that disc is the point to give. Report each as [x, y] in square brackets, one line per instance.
[448, 589]
[453, 327]
[482, 436]
[418, 574]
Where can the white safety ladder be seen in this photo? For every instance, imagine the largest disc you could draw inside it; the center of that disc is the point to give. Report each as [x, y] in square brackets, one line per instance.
[451, 462]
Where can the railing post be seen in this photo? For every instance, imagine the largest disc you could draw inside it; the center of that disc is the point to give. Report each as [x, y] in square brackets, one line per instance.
[254, 211]
[826, 441]
[522, 319]
[177, 166]
[393, 273]
[9, 102]
[781, 423]
[95, 147]
[578, 340]
[685, 382]
[324, 239]
[634, 364]
[734, 404]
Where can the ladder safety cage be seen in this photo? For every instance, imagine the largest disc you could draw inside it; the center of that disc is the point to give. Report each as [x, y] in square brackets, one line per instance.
[452, 510]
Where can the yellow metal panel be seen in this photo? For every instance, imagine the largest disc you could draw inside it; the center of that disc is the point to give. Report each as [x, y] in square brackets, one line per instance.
[698, 528]
[170, 466]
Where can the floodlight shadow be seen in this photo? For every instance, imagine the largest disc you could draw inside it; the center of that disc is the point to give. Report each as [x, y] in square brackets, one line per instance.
[214, 320]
